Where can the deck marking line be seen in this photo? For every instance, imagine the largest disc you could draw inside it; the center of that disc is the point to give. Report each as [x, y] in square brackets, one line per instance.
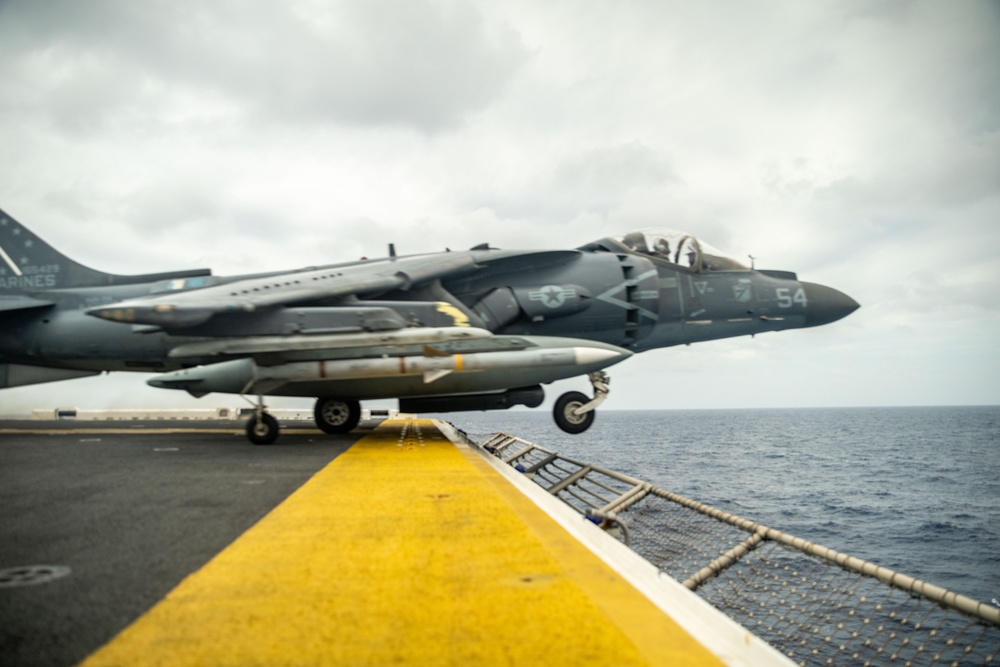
[415, 556]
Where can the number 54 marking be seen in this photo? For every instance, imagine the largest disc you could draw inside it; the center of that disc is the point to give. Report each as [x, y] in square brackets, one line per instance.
[786, 299]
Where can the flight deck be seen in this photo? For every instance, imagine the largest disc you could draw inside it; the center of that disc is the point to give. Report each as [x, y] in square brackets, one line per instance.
[130, 508]
[410, 542]
[186, 546]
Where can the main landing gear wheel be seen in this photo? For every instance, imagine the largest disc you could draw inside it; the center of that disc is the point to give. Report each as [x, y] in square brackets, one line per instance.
[262, 429]
[565, 412]
[335, 415]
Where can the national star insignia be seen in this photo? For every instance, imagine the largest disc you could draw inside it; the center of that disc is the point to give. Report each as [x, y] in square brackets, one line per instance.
[552, 294]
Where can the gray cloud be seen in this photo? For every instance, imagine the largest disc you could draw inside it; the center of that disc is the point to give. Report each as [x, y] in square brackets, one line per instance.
[602, 176]
[424, 65]
[560, 188]
[857, 143]
[170, 204]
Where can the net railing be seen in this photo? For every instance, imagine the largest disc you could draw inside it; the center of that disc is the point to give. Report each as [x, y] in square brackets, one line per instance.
[816, 605]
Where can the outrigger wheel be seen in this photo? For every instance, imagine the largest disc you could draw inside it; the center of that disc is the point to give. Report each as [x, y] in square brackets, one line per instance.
[262, 429]
[336, 415]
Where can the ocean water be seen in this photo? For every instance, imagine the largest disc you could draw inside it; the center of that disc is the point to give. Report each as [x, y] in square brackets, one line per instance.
[916, 489]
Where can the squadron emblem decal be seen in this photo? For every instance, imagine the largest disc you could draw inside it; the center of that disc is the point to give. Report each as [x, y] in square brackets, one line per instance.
[742, 291]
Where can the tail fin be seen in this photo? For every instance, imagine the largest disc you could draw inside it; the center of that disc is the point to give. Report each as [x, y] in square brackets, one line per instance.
[28, 264]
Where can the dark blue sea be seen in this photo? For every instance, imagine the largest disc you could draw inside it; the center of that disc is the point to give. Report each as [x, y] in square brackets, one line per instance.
[916, 489]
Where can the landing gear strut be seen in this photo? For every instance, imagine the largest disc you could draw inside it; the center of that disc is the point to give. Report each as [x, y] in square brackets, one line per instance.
[335, 415]
[574, 412]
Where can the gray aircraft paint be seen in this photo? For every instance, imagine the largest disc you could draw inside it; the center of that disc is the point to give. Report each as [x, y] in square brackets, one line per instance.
[60, 319]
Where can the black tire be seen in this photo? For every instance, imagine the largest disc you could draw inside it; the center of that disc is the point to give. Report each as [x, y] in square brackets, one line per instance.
[563, 413]
[263, 431]
[336, 415]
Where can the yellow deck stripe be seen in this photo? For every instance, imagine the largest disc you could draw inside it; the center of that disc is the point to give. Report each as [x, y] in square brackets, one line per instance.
[404, 550]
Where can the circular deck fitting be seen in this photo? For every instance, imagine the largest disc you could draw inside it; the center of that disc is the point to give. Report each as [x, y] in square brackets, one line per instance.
[30, 575]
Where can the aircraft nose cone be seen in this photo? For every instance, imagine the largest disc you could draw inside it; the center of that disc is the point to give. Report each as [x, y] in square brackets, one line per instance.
[826, 304]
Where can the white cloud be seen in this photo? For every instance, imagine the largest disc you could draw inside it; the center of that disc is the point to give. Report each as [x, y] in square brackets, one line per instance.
[857, 143]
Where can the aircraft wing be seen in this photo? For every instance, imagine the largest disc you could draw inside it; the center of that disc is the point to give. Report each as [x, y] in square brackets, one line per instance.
[190, 308]
[21, 302]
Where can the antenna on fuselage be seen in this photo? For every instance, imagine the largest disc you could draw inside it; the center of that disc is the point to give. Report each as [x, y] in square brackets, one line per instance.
[392, 250]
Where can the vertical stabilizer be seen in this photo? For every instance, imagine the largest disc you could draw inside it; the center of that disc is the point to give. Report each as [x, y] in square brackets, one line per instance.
[29, 264]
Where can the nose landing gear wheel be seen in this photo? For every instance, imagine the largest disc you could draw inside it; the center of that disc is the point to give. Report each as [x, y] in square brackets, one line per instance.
[334, 415]
[564, 413]
[262, 430]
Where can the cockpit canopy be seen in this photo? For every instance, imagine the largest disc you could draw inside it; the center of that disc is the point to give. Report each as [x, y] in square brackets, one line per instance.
[677, 248]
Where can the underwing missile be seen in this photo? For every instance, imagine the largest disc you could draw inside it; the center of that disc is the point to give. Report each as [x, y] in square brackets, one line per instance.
[247, 376]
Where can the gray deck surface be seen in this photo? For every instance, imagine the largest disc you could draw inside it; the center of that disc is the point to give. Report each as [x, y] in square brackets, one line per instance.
[131, 513]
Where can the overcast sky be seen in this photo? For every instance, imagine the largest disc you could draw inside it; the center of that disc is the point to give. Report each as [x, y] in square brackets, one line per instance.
[857, 143]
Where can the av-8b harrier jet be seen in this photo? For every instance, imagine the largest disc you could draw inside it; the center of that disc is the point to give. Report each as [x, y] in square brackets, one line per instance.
[481, 329]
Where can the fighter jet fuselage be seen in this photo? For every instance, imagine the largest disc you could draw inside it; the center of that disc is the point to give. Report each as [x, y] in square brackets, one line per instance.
[477, 329]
